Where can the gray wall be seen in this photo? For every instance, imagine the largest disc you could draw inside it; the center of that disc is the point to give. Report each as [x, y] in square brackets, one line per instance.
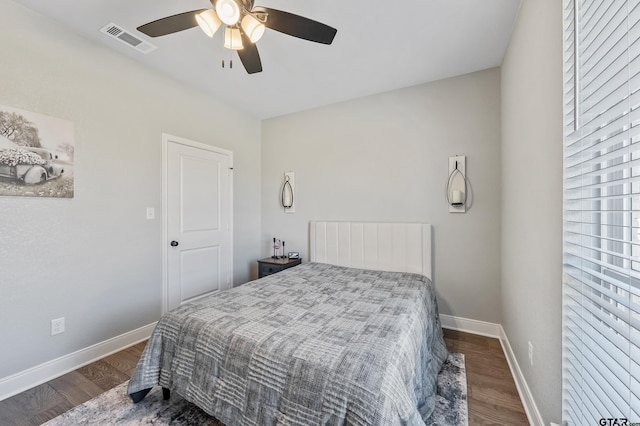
[532, 199]
[385, 158]
[95, 259]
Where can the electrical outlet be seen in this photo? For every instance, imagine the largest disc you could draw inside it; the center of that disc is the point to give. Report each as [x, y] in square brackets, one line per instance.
[530, 353]
[57, 326]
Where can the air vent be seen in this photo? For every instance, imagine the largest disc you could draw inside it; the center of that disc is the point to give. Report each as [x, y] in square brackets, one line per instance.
[119, 33]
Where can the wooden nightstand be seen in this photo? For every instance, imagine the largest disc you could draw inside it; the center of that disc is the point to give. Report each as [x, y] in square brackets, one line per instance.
[270, 265]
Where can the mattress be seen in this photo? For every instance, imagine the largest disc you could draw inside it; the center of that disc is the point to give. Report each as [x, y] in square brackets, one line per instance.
[315, 344]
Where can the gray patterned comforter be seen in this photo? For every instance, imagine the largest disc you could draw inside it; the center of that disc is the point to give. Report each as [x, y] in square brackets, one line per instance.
[312, 345]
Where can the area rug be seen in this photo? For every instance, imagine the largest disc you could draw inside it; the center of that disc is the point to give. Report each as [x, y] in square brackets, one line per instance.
[114, 407]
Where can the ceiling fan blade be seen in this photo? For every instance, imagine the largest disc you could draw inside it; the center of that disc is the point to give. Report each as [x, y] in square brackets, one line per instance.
[171, 24]
[297, 26]
[249, 55]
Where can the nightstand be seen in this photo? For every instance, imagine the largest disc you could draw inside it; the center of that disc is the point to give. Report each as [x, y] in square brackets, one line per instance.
[270, 265]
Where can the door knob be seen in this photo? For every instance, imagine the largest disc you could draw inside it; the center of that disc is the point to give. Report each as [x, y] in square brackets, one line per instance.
[174, 244]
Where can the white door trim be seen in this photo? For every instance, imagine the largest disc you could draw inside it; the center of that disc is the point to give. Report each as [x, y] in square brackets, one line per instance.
[166, 139]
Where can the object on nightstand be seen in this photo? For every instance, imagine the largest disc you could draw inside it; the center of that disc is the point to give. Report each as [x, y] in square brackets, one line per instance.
[276, 247]
[293, 255]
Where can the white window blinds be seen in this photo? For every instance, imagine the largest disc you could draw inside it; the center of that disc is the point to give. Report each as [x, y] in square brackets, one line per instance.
[601, 274]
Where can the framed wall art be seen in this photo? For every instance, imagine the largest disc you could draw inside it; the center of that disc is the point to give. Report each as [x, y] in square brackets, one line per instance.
[36, 154]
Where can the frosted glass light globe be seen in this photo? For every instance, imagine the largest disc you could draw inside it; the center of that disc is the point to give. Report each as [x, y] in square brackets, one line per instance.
[228, 11]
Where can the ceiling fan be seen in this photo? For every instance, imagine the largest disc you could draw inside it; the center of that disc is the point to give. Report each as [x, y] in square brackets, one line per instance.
[244, 26]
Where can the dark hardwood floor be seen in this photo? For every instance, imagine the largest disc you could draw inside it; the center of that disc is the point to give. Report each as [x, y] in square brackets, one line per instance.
[37, 405]
[492, 395]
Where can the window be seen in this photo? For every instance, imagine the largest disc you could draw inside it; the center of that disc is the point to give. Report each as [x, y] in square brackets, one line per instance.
[601, 272]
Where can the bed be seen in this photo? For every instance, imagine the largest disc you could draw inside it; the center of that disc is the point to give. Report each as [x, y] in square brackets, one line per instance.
[351, 337]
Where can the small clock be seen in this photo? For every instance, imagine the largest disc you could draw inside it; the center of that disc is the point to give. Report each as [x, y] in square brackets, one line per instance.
[293, 255]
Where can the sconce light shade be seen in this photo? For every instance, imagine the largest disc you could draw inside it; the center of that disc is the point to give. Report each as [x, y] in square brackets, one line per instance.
[457, 198]
[232, 39]
[228, 11]
[208, 22]
[286, 195]
[457, 184]
[253, 28]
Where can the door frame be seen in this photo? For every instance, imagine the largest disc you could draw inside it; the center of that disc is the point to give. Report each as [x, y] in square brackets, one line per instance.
[166, 140]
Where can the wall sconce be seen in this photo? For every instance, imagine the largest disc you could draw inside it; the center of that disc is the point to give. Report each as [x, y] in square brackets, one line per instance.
[457, 189]
[286, 195]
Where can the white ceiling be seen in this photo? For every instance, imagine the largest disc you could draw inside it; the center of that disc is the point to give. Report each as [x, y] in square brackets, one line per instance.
[380, 46]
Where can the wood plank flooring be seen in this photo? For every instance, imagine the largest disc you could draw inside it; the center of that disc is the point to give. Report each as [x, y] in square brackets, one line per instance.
[492, 395]
[42, 403]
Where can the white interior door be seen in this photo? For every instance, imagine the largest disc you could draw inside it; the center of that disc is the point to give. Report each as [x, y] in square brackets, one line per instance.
[198, 220]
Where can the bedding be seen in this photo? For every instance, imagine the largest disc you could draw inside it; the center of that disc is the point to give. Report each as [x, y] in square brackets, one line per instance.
[315, 344]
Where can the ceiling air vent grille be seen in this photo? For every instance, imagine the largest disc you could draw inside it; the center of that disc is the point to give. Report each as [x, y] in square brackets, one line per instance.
[119, 33]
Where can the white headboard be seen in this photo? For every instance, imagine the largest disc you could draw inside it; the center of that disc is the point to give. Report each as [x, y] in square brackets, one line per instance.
[398, 247]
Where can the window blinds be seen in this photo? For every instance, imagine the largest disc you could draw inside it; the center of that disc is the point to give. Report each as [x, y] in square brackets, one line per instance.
[601, 273]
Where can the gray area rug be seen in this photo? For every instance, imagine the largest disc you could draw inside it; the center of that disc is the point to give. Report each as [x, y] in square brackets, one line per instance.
[114, 407]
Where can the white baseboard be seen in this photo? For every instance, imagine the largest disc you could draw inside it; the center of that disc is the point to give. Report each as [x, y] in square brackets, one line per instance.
[19, 382]
[467, 325]
[495, 330]
[530, 407]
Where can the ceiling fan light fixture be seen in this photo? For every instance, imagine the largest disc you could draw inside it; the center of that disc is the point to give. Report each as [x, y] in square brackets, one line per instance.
[253, 28]
[232, 38]
[228, 11]
[242, 32]
[208, 22]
